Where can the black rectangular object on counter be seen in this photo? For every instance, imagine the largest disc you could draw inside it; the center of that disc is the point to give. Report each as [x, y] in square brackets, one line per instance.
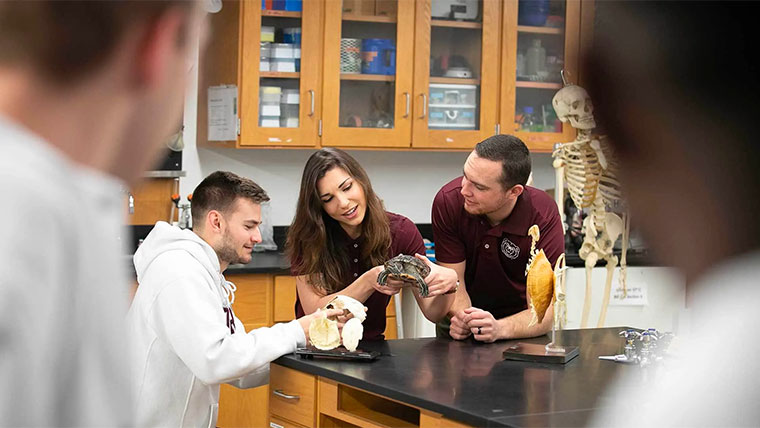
[536, 353]
[337, 354]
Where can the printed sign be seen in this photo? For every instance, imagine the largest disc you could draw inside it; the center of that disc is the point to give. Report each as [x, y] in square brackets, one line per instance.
[636, 295]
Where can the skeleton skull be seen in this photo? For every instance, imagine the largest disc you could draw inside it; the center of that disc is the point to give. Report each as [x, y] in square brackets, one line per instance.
[573, 103]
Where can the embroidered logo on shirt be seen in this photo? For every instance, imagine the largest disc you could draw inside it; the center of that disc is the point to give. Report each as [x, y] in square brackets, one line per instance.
[510, 249]
[230, 319]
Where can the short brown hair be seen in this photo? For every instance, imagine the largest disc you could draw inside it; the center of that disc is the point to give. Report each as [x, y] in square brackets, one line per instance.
[64, 40]
[220, 190]
[513, 155]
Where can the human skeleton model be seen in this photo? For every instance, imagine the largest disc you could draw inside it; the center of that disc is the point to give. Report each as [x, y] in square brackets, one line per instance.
[589, 169]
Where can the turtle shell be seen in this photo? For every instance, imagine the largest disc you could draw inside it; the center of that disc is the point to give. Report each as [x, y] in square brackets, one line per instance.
[405, 267]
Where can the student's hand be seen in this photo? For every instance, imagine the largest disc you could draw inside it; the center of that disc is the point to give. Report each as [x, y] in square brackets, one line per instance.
[391, 287]
[441, 280]
[482, 325]
[306, 320]
[345, 316]
[458, 329]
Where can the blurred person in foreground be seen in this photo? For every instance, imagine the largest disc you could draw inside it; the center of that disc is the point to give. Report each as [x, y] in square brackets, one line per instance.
[676, 86]
[88, 93]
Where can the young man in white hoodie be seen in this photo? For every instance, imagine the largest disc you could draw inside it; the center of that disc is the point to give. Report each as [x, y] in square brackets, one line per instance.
[187, 340]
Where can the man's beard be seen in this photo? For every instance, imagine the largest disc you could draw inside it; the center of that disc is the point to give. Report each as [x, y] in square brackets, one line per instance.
[227, 252]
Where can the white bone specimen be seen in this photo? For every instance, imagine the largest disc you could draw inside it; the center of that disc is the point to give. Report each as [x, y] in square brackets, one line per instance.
[324, 334]
[352, 333]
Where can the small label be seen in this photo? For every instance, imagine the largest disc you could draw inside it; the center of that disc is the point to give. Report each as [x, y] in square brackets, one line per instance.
[636, 295]
[274, 425]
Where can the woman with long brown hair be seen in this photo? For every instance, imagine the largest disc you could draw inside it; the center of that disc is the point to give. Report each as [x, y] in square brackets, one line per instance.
[340, 237]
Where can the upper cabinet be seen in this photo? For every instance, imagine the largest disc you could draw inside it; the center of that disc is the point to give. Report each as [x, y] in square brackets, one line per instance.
[406, 74]
[274, 58]
[456, 71]
[368, 63]
[540, 38]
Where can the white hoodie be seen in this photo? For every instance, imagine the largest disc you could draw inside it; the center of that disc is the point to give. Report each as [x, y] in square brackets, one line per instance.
[183, 347]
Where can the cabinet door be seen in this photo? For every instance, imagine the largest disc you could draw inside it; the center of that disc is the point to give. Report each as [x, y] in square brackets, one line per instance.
[368, 73]
[540, 38]
[455, 72]
[281, 74]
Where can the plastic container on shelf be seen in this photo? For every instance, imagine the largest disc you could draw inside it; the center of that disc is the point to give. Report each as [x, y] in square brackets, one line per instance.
[289, 5]
[532, 12]
[290, 96]
[264, 64]
[286, 65]
[535, 59]
[453, 95]
[453, 117]
[282, 50]
[289, 122]
[270, 94]
[292, 35]
[378, 56]
[269, 121]
[267, 33]
[530, 121]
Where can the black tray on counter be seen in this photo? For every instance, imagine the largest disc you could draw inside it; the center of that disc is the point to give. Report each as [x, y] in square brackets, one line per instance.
[339, 353]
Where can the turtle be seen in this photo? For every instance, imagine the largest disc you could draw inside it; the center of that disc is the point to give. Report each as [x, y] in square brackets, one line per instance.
[406, 268]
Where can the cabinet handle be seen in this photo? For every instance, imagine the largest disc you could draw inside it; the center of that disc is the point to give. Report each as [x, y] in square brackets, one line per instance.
[424, 106]
[311, 94]
[406, 94]
[279, 393]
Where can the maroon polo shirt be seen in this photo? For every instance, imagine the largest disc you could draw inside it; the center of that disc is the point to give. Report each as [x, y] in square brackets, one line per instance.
[495, 256]
[405, 239]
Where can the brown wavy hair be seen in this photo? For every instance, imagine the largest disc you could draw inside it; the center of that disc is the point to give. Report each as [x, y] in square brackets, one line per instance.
[313, 246]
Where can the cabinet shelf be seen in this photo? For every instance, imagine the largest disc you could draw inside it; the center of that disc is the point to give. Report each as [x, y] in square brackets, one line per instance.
[368, 77]
[540, 30]
[280, 74]
[370, 18]
[281, 13]
[454, 81]
[538, 85]
[455, 24]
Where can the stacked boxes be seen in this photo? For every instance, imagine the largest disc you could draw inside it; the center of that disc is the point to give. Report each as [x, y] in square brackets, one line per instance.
[289, 101]
[269, 106]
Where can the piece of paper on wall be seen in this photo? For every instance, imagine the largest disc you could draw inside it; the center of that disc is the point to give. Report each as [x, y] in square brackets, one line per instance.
[636, 295]
[222, 113]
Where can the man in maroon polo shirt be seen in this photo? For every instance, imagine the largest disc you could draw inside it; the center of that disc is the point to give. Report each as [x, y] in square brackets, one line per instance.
[480, 228]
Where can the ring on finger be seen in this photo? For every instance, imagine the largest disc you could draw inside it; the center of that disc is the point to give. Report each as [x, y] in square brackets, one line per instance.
[479, 332]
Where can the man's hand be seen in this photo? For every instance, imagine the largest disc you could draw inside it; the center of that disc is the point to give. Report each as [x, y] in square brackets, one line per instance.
[458, 329]
[441, 280]
[482, 325]
[306, 320]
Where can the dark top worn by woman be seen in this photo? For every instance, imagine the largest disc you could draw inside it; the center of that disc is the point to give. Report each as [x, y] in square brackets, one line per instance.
[405, 239]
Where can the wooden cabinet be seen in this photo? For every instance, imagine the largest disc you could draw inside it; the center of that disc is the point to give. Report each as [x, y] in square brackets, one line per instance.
[532, 91]
[260, 301]
[151, 201]
[395, 74]
[338, 405]
[292, 395]
[368, 107]
[280, 108]
[455, 96]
